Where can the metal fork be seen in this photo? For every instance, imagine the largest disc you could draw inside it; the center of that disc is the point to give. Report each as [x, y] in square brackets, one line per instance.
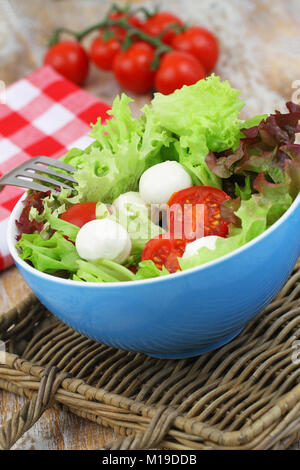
[26, 174]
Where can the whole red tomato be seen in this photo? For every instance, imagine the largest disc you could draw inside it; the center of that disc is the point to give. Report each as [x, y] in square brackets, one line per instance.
[103, 52]
[177, 69]
[162, 20]
[69, 59]
[132, 68]
[199, 42]
[120, 32]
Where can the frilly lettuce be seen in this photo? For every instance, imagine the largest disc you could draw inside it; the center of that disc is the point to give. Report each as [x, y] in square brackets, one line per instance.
[58, 255]
[253, 214]
[54, 251]
[198, 126]
[102, 270]
[113, 163]
[147, 269]
[53, 206]
[204, 116]
[65, 228]
[200, 118]
[267, 147]
[49, 256]
[182, 126]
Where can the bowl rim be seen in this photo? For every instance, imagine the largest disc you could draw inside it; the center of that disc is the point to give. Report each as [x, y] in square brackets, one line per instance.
[13, 251]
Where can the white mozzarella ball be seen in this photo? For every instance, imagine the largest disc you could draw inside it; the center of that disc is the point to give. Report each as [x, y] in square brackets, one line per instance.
[159, 182]
[193, 247]
[131, 197]
[103, 238]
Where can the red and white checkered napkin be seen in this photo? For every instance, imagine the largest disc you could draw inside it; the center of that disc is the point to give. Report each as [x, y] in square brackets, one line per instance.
[44, 114]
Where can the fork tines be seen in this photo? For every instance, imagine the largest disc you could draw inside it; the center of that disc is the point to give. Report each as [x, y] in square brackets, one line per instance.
[30, 171]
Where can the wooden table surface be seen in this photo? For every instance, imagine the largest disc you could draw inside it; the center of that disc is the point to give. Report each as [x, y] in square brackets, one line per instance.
[260, 55]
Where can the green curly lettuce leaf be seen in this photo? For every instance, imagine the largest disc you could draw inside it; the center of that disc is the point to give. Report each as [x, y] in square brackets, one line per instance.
[200, 117]
[255, 214]
[58, 255]
[112, 164]
[147, 269]
[102, 270]
[52, 206]
[182, 126]
[49, 256]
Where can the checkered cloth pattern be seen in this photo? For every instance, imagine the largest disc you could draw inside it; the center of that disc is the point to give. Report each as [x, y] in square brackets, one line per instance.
[43, 114]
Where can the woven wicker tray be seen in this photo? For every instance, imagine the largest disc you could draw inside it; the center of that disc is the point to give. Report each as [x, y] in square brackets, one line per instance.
[245, 395]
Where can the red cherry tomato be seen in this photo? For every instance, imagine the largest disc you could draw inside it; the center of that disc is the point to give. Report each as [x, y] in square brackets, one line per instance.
[70, 59]
[164, 251]
[120, 32]
[80, 214]
[199, 42]
[195, 212]
[177, 69]
[103, 52]
[132, 68]
[161, 21]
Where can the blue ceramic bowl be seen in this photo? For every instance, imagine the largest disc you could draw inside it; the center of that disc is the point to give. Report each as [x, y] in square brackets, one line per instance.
[179, 315]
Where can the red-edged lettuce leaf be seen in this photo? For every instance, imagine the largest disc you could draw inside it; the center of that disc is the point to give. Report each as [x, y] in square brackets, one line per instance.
[278, 194]
[267, 148]
[24, 224]
[270, 190]
[228, 209]
[292, 150]
[292, 170]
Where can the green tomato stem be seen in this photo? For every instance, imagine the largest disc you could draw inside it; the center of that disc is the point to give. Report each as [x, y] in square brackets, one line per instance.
[147, 13]
[122, 22]
[177, 28]
[158, 53]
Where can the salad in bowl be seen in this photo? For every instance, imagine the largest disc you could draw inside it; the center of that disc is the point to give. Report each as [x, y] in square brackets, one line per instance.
[185, 183]
[183, 224]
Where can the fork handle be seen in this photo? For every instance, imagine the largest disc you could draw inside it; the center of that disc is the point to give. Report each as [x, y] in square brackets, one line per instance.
[5, 179]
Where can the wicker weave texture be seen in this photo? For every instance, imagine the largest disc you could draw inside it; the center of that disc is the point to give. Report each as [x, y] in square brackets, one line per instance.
[245, 395]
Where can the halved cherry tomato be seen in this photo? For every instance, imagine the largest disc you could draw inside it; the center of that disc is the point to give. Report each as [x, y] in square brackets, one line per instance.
[161, 21]
[103, 52]
[80, 214]
[164, 251]
[195, 212]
